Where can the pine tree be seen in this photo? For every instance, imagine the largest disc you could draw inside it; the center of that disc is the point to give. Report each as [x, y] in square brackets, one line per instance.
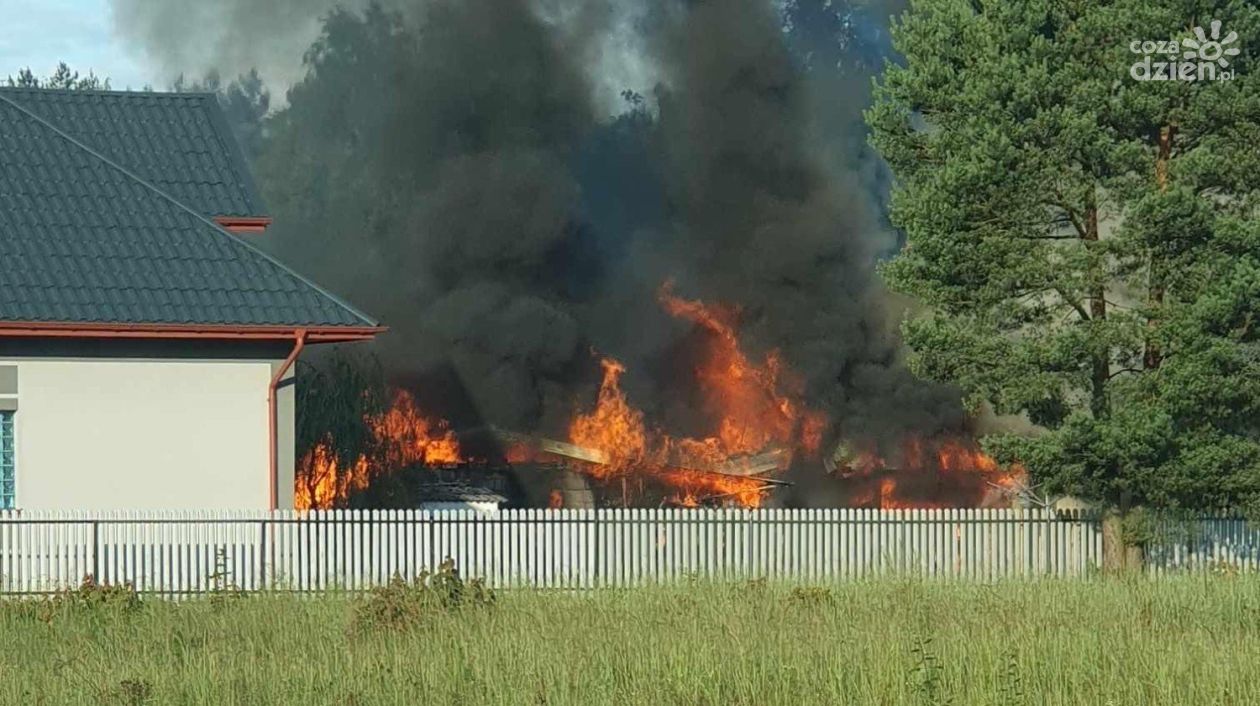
[246, 104]
[63, 78]
[1086, 244]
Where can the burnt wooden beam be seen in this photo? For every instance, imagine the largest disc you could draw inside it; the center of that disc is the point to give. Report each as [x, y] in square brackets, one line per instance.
[744, 467]
[540, 444]
[581, 453]
[752, 465]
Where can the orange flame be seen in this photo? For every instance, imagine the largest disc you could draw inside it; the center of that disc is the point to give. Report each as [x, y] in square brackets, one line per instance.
[745, 492]
[403, 437]
[754, 403]
[407, 437]
[939, 473]
[615, 428]
[321, 483]
[755, 409]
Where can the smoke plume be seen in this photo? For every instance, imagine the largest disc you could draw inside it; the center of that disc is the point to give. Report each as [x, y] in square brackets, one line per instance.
[454, 168]
[231, 36]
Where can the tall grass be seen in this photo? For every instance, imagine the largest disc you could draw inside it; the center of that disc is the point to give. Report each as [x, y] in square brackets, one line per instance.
[1171, 641]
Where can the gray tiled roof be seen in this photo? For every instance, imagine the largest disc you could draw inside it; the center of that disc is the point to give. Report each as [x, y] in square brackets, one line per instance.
[454, 493]
[84, 239]
[178, 142]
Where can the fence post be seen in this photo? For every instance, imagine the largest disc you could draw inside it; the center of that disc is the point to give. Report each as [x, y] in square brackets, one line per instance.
[96, 551]
[595, 554]
[262, 555]
[1048, 512]
[432, 543]
[748, 543]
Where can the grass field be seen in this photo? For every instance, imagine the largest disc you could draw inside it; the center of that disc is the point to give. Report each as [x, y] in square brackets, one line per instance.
[1174, 641]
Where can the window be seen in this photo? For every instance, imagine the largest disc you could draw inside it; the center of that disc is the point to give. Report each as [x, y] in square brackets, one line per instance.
[7, 462]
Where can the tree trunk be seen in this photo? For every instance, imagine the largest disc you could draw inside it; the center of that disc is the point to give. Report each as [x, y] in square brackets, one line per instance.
[1152, 357]
[1134, 558]
[1166, 134]
[1114, 554]
[1101, 365]
[1120, 554]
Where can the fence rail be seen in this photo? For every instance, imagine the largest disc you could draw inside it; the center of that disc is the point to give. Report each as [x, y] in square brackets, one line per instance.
[179, 553]
[174, 553]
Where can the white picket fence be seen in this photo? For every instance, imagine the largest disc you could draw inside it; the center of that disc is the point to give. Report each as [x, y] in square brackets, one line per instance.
[183, 552]
[178, 553]
[1209, 542]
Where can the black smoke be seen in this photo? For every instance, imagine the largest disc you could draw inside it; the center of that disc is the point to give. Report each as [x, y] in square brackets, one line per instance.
[442, 197]
[455, 168]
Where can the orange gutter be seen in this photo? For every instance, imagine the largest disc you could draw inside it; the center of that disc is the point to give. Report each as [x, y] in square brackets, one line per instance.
[316, 334]
[273, 413]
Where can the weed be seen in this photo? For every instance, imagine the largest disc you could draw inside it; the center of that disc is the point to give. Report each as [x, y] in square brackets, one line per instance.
[1223, 569]
[755, 587]
[220, 599]
[402, 603]
[134, 692]
[91, 596]
[811, 596]
[222, 590]
[1011, 687]
[925, 676]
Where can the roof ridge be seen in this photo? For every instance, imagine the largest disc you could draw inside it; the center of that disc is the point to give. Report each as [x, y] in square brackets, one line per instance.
[139, 93]
[235, 151]
[184, 207]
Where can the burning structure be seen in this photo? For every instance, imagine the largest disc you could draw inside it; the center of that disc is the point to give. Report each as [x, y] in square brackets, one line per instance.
[448, 164]
[760, 429]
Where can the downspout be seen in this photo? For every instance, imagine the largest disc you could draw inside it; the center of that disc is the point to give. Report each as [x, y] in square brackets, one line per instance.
[273, 413]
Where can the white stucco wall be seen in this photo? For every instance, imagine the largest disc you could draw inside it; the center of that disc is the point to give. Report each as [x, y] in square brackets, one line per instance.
[143, 434]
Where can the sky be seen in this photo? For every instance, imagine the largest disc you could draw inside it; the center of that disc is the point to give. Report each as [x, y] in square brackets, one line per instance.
[40, 33]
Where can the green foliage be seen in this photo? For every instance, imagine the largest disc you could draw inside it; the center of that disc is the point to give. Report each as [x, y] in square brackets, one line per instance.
[92, 595]
[336, 394]
[811, 595]
[91, 598]
[223, 591]
[1086, 245]
[925, 675]
[245, 101]
[828, 35]
[402, 604]
[1011, 691]
[321, 166]
[63, 78]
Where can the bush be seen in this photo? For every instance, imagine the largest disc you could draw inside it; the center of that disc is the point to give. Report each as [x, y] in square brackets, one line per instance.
[92, 596]
[811, 596]
[403, 604]
[755, 588]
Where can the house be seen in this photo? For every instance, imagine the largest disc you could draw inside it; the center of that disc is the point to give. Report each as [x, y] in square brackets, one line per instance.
[146, 346]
